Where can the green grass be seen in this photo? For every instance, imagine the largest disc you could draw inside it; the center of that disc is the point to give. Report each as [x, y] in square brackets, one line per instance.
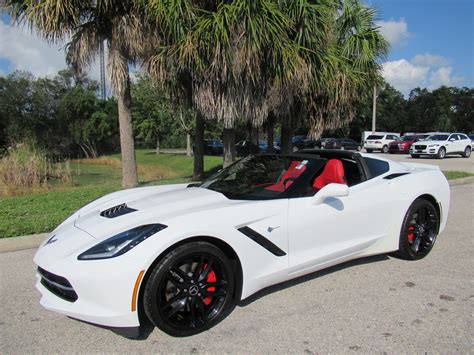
[451, 175]
[42, 211]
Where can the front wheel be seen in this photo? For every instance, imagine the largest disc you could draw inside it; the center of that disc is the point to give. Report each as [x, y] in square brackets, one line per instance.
[467, 152]
[415, 156]
[419, 230]
[190, 290]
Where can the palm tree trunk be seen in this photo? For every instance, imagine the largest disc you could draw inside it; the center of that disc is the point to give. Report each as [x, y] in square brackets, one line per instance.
[286, 135]
[270, 132]
[254, 149]
[188, 145]
[127, 144]
[199, 148]
[229, 146]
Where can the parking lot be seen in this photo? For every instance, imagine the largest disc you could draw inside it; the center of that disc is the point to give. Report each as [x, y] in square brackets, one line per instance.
[451, 162]
[377, 304]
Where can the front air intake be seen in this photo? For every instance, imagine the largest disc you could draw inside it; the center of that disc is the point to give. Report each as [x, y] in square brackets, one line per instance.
[117, 211]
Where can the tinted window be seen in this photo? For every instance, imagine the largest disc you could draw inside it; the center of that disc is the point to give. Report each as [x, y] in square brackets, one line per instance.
[374, 137]
[262, 177]
[462, 136]
[376, 167]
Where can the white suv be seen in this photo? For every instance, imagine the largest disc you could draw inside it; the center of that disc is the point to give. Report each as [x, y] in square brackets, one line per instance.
[442, 144]
[379, 142]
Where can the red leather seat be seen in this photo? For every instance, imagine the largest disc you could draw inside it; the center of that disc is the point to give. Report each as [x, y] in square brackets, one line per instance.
[333, 173]
[294, 171]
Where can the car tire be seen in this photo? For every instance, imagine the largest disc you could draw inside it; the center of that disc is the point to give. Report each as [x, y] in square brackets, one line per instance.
[190, 289]
[441, 153]
[369, 150]
[467, 152]
[385, 149]
[415, 156]
[419, 230]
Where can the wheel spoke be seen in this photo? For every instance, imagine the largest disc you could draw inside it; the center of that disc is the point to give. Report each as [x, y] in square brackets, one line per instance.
[421, 215]
[174, 305]
[192, 306]
[206, 271]
[215, 284]
[416, 244]
[202, 309]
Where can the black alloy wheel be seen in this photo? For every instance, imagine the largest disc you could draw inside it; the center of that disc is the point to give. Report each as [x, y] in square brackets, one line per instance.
[419, 230]
[190, 290]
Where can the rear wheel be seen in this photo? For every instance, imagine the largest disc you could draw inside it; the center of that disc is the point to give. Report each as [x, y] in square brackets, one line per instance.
[467, 152]
[190, 290]
[441, 153]
[419, 230]
[385, 149]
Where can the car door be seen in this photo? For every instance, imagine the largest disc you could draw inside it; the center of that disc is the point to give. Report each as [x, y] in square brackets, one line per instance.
[338, 227]
[452, 143]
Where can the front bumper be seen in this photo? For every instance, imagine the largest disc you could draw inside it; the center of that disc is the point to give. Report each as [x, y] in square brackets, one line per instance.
[98, 292]
[395, 148]
[424, 151]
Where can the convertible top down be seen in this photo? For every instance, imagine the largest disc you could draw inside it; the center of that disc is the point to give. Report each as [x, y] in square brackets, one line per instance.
[181, 256]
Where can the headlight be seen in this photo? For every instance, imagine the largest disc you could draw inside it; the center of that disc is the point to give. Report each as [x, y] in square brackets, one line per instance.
[433, 145]
[121, 243]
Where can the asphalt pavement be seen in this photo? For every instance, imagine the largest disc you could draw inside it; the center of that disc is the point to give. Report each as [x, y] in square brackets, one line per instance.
[377, 304]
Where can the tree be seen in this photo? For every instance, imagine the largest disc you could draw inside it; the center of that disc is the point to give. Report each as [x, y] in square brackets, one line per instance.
[227, 55]
[87, 23]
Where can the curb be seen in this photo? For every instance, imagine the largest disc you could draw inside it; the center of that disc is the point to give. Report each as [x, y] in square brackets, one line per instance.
[21, 243]
[33, 241]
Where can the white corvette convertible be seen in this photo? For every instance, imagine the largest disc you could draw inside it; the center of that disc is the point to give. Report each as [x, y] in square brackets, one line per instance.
[181, 256]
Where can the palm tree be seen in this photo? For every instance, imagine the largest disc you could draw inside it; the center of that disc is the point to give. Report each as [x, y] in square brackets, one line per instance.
[86, 24]
[231, 52]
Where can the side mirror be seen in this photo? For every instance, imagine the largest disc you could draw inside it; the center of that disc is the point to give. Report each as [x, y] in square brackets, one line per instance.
[452, 140]
[330, 190]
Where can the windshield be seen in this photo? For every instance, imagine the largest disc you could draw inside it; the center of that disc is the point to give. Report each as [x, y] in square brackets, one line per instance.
[262, 177]
[438, 137]
[408, 138]
[374, 137]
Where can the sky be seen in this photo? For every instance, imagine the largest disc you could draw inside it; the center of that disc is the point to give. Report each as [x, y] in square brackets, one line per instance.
[432, 44]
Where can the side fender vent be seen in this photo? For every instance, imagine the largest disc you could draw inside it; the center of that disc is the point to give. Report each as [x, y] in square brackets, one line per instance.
[117, 211]
[394, 176]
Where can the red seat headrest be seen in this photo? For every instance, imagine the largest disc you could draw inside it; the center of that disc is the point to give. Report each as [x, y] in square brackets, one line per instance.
[333, 173]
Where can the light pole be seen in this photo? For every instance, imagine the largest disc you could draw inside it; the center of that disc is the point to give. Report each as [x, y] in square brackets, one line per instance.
[374, 109]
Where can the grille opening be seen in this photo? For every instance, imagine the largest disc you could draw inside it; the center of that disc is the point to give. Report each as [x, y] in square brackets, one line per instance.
[57, 285]
[117, 211]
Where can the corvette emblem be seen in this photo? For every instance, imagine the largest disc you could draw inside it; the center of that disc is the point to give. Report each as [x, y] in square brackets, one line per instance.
[51, 240]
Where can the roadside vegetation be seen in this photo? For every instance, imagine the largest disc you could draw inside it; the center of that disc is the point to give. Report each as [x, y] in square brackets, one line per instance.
[28, 210]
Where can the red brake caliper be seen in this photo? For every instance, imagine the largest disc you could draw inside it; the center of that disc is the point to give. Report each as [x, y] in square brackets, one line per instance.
[211, 277]
[410, 234]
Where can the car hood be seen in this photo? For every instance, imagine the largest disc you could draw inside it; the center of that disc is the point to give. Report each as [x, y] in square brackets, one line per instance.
[146, 207]
[430, 142]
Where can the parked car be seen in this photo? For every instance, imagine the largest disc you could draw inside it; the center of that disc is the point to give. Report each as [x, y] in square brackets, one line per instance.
[213, 147]
[243, 147]
[441, 144]
[301, 142]
[343, 143]
[182, 256]
[379, 142]
[403, 145]
[471, 137]
[325, 141]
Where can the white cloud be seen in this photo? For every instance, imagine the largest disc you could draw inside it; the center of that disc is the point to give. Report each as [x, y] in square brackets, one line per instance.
[403, 75]
[430, 60]
[395, 32]
[422, 71]
[28, 51]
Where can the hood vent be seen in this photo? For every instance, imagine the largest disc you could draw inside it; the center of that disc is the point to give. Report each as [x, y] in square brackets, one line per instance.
[117, 211]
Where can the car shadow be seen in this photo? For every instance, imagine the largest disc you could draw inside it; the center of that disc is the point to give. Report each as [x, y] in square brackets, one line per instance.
[299, 280]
